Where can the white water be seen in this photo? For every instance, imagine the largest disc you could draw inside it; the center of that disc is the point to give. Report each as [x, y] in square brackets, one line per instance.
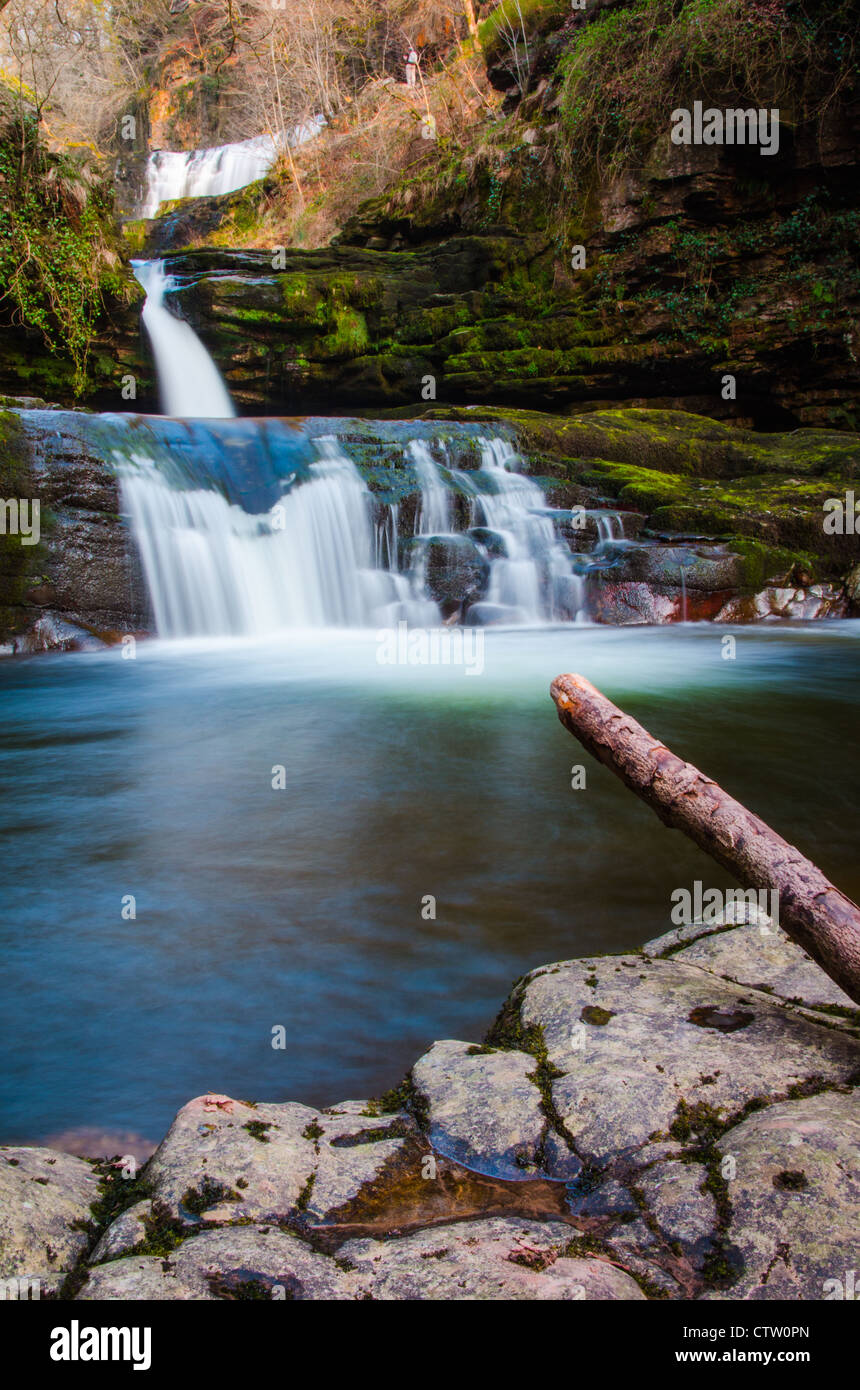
[434, 514]
[535, 576]
[189, 382]
[214, 569]
[172, 174]
[317, 559]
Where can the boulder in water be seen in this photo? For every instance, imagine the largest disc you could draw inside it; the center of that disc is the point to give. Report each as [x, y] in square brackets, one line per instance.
[492, 541]
[455, 571]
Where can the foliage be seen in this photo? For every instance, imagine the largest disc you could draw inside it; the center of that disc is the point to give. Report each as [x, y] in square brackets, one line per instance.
[56, 261]
[626, 71]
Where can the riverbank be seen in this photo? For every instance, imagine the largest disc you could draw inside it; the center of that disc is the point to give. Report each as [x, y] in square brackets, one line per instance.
[678, 1122]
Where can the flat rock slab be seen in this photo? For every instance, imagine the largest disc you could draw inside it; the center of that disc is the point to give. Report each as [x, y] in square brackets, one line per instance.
[236, 1263]
[498, 1258]
[635, 1037]
[795, 1197]
[683, 1209]
[766, 959]
[484, 1108]
[225, 1160]
[42, 1193]
[755, 953]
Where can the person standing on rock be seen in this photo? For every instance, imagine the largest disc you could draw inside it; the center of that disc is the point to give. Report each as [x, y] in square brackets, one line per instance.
[411, 61]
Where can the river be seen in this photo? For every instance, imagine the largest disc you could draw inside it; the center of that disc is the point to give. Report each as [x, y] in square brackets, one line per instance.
[302, 907]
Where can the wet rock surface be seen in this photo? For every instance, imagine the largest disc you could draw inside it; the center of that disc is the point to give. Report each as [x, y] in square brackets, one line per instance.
[84, 589]
[483, 1108]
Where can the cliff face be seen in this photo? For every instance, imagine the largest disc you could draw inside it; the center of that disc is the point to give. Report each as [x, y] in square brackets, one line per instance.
[84, 570]
[710, 278]
[697, 262]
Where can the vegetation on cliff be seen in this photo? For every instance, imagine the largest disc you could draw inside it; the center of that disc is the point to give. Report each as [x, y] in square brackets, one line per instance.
[59, 258]
[531, 121]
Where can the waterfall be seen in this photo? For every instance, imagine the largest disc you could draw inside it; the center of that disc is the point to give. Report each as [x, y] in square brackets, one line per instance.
[314, 548]
[533, 577]
[323, 554]
[213, 569]
[434, 514]
[173, 174]
[188, 379]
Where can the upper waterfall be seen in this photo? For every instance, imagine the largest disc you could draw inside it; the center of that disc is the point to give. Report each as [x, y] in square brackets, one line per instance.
[205, 173]
[189, 382]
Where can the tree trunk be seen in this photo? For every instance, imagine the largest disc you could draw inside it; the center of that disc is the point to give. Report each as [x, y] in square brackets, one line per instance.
[823, 921]
[470, 18]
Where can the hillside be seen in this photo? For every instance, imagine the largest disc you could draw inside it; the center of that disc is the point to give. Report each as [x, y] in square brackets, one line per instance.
[547, 132]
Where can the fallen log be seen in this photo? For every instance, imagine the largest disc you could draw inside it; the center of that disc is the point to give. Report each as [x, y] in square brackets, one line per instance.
[815, 914]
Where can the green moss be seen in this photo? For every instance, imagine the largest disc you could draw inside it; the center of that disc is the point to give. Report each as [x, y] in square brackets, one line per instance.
[58, 245]
[134, 233]
[348, 338]
[510, 1033]
[596, 1016]
[521, 19]
[304, 1198]
[164, 1232]
[209, 1194]
[258, 1129]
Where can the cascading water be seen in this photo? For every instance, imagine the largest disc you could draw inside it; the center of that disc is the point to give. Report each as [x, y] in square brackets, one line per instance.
[435, 512]
[532, 576]
[189, 381]
[266, 547]
[214, 569]
[173, 174]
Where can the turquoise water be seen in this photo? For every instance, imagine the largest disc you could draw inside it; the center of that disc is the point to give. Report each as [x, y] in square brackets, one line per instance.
[302, 907]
